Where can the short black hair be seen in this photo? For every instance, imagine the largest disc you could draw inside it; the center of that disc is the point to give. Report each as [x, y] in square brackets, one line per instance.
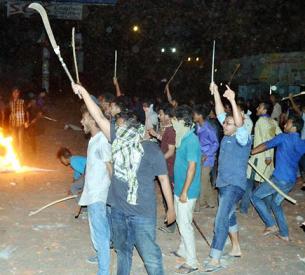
[130, 118]
[63, 152]
[166, 108]
[108, 97]
[268, 106]
[84, 109]
[297, 122]
[242, 105]
[147, 102]
[185, 113]
[121, 103]
[202, 110]
[276, 96]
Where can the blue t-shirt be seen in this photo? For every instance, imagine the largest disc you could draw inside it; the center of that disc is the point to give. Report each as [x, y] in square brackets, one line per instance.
[78, 164]
[189, 150]
[290, 148]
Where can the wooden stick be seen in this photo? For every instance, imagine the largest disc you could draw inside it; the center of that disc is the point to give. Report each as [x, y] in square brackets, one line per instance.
[301, 93]
[177, 69]
[115, 63]
[213, 63]
[48, 118]
[272, 184]
[201, 233]
[52, 203]
[74, 55]
[233, 74]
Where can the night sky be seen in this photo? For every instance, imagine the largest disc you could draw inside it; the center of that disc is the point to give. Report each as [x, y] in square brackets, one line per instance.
[240, 28]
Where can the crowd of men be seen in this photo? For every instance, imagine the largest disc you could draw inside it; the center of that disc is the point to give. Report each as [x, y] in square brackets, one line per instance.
[189, 149]
[199, 154]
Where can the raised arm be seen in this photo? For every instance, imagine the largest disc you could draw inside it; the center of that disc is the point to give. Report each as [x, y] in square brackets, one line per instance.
[294, 106]
[218, 104]
[93, 109]
[230, 95]
[118, 92]
[168, 94]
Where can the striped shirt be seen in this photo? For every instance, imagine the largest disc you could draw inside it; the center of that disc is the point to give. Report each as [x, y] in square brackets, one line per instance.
[17, 116]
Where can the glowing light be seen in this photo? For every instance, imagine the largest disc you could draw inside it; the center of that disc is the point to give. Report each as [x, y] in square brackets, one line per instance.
[162, 50]
[135, 28]
[189, 59]
[197, 59]
[8, 157]
[173, 50]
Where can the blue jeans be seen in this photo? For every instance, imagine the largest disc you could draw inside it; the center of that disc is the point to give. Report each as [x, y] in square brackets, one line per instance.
[129, 231]
[225, 220]
[246, 199]
[100, 235]
[265, 193]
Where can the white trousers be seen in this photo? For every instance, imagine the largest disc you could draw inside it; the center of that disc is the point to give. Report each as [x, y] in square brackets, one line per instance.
[184, 219]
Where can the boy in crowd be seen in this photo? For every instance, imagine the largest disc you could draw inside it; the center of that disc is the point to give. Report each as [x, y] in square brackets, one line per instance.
[167, 137]
[18, 120]
[231, 180]
[208, 145]
[132, 194]
[187, 185]
[95, 192]
[290, 148]
[265, 129]
[78, 165]
[277, 108]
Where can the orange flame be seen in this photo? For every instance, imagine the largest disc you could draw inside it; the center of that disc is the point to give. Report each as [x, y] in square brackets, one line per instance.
[8, 160]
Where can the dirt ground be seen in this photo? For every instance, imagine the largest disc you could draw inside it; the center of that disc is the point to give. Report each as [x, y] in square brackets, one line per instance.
[54, 242]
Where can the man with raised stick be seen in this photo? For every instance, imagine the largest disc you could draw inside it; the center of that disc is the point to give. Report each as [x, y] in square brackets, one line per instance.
[136, 162]
[231, 181]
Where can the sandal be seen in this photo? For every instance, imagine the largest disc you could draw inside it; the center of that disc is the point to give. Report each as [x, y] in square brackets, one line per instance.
[229, 256]
[285, 239]
[185, 269]
[166, 229]
[175, 253]
[209, 268]
[270, 230]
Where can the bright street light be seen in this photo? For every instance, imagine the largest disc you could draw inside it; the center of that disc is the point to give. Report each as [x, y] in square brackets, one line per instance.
[135, 28]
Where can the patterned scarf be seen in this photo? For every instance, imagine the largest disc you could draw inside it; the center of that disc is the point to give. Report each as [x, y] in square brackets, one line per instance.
[127, 152]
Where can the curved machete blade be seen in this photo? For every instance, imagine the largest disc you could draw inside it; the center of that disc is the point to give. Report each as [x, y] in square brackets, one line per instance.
[40, 9]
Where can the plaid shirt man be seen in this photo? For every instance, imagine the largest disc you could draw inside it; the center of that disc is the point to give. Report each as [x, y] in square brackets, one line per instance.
[17, 116]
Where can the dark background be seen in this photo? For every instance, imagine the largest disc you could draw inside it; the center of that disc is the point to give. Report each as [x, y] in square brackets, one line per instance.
[240, 28]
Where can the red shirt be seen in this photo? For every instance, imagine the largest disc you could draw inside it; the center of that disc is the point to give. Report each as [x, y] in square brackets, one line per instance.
[169, 138]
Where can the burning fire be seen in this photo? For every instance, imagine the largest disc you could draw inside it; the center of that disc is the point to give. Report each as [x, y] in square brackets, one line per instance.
[8, 158]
